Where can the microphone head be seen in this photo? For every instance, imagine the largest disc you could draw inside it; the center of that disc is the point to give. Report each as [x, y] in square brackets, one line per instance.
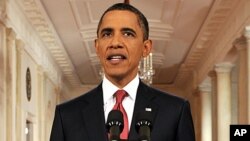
[143, 118]
[115, 118]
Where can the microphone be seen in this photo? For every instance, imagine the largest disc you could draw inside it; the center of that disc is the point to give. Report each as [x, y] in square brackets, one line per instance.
[144, 125]
[115, 125]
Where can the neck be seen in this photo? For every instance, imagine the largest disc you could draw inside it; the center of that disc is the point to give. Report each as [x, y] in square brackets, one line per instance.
[120, 82]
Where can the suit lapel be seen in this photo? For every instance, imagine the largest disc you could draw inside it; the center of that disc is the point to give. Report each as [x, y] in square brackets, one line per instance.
[93, 115]
[144, 99]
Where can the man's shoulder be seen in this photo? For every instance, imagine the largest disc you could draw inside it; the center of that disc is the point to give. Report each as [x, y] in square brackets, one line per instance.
[168, 101]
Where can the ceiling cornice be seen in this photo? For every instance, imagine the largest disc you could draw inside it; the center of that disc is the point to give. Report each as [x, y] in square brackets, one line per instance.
[217, 16]
[38, 17]
[223, 25]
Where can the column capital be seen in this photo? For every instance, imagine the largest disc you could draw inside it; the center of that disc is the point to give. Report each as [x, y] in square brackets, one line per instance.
[247, 32]
[224, 67]
[205, 87]
[11, 35]
[40, 69]
[20, 46]
[240, 43]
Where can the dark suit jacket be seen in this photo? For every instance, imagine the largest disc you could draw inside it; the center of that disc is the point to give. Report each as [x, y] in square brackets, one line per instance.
[82, 119]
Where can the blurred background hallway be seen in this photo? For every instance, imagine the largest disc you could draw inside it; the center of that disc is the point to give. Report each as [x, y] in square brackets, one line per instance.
[47, 56]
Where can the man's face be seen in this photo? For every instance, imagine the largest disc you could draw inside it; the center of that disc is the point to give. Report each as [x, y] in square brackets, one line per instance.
[120, 44]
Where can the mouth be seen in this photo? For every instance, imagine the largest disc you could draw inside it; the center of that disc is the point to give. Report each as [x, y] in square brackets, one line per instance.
[116, 58]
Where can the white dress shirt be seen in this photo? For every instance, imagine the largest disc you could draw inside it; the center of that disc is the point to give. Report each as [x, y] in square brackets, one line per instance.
[128, 103]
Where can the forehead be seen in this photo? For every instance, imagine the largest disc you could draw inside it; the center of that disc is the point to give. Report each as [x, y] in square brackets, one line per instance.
[119, 17]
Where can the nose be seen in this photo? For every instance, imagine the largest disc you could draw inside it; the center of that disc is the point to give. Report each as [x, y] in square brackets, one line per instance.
[116, 42]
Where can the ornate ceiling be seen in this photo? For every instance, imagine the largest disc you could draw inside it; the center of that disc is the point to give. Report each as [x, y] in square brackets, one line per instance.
[181, 30]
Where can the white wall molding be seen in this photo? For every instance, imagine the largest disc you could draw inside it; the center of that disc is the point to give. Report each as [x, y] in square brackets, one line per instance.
[34, 46]
[36, 17]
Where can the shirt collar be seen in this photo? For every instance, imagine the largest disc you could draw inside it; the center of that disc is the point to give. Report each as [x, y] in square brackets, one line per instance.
[109, 88]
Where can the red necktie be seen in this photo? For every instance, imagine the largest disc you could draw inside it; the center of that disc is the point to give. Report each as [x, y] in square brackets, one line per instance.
[120, 95]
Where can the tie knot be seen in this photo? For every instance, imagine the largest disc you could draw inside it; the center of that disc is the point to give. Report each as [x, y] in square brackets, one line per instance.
[120, 95]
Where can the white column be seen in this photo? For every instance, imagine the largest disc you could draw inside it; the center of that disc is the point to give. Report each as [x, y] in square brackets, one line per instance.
[212, 75]
[206, 111]
[41, 104]
[2, 72]
[3, 54]
[223, 100]
[196, 102]
[240, 44]
[11, 85]
[247, 35]
[20, 122]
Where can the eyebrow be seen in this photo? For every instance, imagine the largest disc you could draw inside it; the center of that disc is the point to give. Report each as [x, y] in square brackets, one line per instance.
[109, 29]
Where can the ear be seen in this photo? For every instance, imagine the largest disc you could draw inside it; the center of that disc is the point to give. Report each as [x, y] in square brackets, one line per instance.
[147, 48]
[96, 47]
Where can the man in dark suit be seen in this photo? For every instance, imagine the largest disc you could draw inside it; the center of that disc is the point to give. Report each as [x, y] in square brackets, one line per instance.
[122, 40]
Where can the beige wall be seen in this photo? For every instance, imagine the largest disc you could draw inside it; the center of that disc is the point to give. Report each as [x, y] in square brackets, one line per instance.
[15, 108]
[20, 49]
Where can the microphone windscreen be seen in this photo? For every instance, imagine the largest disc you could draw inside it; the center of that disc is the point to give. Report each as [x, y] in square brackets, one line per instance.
[115, 118]
[144, 118]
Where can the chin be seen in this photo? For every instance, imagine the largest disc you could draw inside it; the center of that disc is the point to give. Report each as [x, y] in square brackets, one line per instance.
[115, 70]
[115, 74]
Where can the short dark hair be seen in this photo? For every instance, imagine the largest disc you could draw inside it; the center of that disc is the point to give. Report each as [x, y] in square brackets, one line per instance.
[142, 20]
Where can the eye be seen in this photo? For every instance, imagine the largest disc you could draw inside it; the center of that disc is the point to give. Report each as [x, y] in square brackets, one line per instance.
[106, 34]
[129, 34]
